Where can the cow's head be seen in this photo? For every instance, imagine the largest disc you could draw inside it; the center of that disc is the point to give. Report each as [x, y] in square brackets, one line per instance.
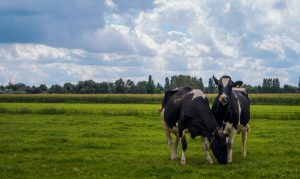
[219, 146]
[225, 85]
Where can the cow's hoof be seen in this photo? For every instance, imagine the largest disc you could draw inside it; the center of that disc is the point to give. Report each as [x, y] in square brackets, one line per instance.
[183, 162]
[173, 157]
[210, 161]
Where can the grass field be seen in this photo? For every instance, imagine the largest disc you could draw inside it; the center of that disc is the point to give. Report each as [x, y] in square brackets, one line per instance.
[41, 140]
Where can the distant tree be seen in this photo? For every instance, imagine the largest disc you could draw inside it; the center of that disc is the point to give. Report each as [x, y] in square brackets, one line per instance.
[276, 86]
[159, 88]
[141, 87]
[35, 90]
[211, 85]
[167, 84]
[111, 88]
[259, 89]
[86, 87]
[120, 86]
[130, 86]
[201, 86]
[250, 89]
[289, 89]
[184, 80]
[102, 87]
[299, 85]
[42, 88]
[70, 88]
[267, 85]
[57, 89]
[12, 86]
[150, 85]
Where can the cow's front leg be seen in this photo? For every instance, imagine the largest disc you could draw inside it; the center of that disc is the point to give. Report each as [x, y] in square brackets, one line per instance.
[205, 147]
[167, 132]
[184, 147]
[244, 138]
[175, 149]
[230, 143]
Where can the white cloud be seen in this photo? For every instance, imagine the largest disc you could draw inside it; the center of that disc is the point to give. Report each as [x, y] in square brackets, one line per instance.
[248, 40]
[36, 52]
[111, 4]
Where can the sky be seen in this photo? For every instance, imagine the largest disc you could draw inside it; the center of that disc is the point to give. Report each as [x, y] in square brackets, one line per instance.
[54, 41]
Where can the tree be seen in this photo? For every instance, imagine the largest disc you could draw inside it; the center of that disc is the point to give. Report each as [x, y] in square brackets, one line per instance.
[159, 88]
[130, 86]
[86, 87]
[102, 87]
[12, 86]
[56, 89]
[167, 84]
[276, 85]
[111, 88]
[211, 85]
[120, 86]
[141, 87]
[150, 85]
[267, 86]
[289, 89]
[201, 86]
[43, 88]
[70, 88]
[250, 89]
[299, 85]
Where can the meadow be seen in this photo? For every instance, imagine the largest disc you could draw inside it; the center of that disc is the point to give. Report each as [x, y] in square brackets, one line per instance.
[91, 140]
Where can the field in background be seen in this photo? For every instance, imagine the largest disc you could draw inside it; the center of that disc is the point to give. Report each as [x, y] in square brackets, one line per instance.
[277, 99]
[42, 140]
[275, 112]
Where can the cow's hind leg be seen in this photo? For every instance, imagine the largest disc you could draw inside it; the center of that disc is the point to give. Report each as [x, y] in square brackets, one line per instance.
[175, 149]
[184, 147]
[230, 143]
[167, 132]
[205, 147]
[244, 138]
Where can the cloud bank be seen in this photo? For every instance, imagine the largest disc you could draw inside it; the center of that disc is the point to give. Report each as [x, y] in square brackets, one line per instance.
[55, 42]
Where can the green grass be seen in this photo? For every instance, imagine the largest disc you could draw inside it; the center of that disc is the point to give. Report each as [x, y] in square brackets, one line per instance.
[94, 145]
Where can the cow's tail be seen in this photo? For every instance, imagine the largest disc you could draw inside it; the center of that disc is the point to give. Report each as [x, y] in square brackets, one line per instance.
[162, 105]
[159, 110]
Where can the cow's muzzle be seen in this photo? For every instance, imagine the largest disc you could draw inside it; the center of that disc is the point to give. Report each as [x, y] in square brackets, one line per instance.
[224, 99]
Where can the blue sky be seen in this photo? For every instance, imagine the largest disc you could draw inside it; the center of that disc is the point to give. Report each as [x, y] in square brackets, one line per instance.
[52, 41]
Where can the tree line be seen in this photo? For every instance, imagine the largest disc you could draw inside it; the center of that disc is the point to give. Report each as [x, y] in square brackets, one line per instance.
[121, 86]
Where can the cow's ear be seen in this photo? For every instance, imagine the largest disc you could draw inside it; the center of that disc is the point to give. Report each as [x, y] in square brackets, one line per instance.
[237, 84]
[215, 80]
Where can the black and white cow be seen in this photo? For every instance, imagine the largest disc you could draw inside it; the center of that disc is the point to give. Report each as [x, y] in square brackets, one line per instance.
[186, 110]
[231, 108]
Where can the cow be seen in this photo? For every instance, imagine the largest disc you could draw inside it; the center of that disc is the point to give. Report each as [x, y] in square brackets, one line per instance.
[186, 110]
[231, 109]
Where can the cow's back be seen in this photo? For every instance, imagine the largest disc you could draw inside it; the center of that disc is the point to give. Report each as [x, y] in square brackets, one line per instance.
[172, 104]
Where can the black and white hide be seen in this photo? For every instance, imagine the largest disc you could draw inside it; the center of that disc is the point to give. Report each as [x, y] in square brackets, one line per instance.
[186, 110]
[231, 108]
